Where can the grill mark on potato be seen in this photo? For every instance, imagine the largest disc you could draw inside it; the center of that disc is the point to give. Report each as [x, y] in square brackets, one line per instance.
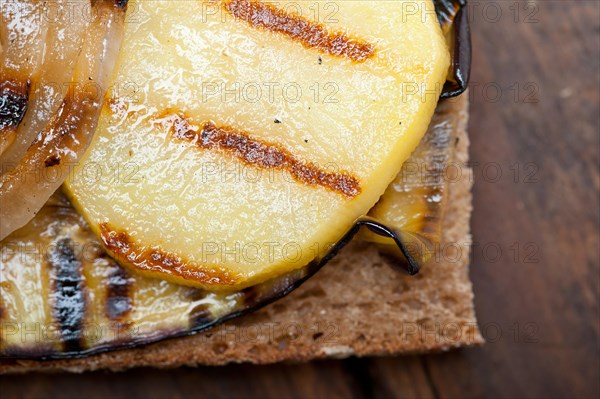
[67, 298]
[119, 303]
[127, 252]
[310, 34]
[258, 153]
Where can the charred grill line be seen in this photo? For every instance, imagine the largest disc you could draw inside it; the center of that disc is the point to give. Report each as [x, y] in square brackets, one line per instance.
[431, 221]
[123, 248]
[67, 126]
[195, 294]
[250, 295]
[310, 34]
[14, 97]
[118, 294]
[201, 316]
[68, 299]
[261, 154]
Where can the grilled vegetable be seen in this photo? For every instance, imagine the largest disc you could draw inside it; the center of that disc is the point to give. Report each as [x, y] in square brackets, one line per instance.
[59, 36]
[192, 183]
[61, 295]
[453, 18]
[22, 31]
[59, 143]
[413, 205]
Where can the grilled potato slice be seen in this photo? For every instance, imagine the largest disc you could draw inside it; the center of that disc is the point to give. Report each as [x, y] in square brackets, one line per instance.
[415, 202]
[62, 296]
[243, 138]
[56, 259]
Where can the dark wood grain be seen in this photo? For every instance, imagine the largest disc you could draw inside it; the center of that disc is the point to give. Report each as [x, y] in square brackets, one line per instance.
[537, 302]
[543, 299]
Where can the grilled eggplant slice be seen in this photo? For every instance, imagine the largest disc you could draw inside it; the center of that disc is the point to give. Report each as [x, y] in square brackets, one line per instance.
[62, 295]
[193, 183]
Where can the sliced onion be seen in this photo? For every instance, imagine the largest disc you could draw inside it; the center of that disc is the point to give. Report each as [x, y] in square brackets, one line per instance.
[65, 32]
[25, 29]
[47, 162]
[23, 34]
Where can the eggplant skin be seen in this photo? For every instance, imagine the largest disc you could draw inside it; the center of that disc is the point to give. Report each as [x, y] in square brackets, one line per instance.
[446, 10]
[88, 304]
[453, 18]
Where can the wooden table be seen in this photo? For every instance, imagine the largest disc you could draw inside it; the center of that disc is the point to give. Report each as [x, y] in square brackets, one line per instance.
[535, 147]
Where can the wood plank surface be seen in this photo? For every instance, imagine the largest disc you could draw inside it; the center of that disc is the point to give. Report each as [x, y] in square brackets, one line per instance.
[535, 149]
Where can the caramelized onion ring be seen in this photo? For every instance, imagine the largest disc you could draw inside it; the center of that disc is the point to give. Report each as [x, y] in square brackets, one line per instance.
[23, 32]
[66, 29]
[47, 162]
